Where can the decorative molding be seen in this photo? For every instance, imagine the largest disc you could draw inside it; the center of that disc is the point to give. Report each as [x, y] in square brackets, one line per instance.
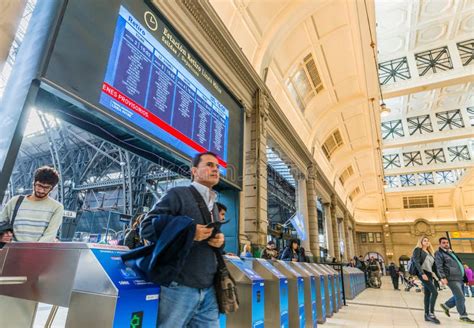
[216, 35]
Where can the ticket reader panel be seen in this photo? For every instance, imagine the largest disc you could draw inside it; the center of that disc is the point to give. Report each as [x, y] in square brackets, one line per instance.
[320, 292]
[327, 289]
[90, 279]
[276, 293]
[250, 288]
[137, 300]
[309, 293]
[295, 294]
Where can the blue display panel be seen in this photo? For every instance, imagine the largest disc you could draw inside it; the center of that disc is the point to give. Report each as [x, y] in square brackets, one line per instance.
[301, 301]
[137, 302]
[147, 85]
[323, 296]
[331, 304]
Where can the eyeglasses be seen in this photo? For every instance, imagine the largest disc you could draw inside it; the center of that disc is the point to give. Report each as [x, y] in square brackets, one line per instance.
[43, 187]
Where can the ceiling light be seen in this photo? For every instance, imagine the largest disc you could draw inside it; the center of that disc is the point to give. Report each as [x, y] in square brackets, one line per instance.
[384, 110]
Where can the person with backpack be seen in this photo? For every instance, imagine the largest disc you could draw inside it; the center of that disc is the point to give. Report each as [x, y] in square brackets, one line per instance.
[36, 217]
[423, 265]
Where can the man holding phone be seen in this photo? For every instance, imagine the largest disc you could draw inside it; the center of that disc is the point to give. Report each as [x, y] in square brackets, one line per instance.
[190, 300]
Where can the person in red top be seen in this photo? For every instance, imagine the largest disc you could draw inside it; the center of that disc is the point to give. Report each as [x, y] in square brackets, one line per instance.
[470, 281]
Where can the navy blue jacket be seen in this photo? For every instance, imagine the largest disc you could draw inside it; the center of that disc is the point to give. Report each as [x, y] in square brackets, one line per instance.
[162, 261]
[200, 265]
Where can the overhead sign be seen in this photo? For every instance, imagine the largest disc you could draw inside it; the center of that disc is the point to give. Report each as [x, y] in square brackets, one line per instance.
[147, 85]
[462, 235]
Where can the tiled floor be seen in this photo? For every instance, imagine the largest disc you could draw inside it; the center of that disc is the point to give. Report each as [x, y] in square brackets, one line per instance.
[374, 308]
[386, 307]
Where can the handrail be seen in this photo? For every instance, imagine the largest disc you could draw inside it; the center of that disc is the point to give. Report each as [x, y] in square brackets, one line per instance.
[18, 280]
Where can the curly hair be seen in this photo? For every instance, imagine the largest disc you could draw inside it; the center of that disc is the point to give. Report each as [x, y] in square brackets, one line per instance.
[47, 175]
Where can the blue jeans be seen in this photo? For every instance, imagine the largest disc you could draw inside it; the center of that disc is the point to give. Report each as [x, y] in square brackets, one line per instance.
[466, 290]
[458, 300]
[182, 306]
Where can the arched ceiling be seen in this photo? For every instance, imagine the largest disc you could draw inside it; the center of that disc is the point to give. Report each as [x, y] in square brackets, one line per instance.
[316, 59]
[282, 38]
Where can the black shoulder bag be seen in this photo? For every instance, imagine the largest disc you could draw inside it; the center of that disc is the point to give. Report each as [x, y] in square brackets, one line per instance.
[224, 284]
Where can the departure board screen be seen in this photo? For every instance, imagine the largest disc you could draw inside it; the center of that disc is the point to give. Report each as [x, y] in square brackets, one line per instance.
[146, 84]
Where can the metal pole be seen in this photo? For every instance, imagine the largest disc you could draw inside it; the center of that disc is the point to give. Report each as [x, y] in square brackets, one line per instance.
[449, 239]
[342, 282]
[51, 316]
[107, 229]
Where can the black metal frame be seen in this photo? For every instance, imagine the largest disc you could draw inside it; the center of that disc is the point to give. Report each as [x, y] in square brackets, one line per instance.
[391, 70]
[466, 51]
[433, 60]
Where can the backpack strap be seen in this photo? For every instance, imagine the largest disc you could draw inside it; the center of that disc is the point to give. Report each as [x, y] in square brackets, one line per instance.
[15, 212]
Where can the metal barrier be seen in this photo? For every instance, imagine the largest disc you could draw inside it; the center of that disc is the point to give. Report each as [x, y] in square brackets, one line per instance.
[91, 280]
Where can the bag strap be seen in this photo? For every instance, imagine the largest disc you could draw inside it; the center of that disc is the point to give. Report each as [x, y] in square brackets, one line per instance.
[15, 212]
[206, 214]
[207, 218]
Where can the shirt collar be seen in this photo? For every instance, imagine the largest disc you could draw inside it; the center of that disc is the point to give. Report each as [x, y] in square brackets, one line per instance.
[208, 194]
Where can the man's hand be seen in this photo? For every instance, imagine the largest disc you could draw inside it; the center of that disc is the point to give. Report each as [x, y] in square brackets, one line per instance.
[202, 232]
[424, 277]
[444, 281]
[217, 241]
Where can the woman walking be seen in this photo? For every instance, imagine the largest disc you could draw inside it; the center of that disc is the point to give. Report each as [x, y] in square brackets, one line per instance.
[425, 266]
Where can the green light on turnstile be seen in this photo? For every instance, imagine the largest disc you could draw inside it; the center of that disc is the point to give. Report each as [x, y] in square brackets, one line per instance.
[136, 321]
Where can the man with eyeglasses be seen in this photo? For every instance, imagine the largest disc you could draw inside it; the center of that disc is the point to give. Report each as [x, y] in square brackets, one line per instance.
[36, 217]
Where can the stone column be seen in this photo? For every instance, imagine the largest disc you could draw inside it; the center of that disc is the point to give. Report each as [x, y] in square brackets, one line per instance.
[335, 228]
[347, 241]
[255, 220]
[388, 243]
[354, 240]
[302, 206]
[328, 224]
[312, 213]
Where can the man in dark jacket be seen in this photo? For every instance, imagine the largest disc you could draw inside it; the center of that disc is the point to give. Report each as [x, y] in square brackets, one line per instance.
[451, 273]
[394, 273]
[190, 300]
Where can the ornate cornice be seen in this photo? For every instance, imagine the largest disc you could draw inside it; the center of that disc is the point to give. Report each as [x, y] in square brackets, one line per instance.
[221, 38]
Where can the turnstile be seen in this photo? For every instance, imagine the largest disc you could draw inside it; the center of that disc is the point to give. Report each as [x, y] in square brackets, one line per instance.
[328, 289]
[309, 293]
[337, 287]
[295, 294]
[320, 294]
[250, 288]
[335, 290]
[354, 282]
[276, 293]
[90, 279]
